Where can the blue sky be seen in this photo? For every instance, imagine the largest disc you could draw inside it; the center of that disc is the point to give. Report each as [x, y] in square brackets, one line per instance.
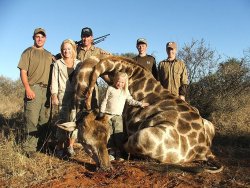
[223, 24]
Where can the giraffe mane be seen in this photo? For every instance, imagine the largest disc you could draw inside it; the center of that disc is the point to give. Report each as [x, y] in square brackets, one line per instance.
[125, 60]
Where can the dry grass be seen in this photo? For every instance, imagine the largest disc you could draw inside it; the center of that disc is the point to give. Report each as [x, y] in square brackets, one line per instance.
[17, 168]
[11, 95]
[14, 166]
[10, 106]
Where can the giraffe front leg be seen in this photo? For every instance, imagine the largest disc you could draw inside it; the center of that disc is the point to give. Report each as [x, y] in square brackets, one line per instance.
[133, 145]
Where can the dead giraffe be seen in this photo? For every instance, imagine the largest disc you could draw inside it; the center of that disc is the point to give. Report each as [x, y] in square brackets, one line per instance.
[169, 130]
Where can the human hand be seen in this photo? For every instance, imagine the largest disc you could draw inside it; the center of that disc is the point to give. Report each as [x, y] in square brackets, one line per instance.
[182, 97]
[54, 99]
[145, 104]
[30, 94]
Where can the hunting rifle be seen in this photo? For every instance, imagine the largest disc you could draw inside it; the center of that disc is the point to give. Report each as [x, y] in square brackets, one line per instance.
[95, 41]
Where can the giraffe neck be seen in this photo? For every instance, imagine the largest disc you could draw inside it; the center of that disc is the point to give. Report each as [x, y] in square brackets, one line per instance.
[141, 82]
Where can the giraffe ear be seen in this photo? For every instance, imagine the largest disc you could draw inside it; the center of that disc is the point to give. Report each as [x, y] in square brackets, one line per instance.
[68, 126]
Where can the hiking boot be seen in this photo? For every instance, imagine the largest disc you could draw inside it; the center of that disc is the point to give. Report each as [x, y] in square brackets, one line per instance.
[59, 153]
[111, 158]
[119, 157]
[115, 155]
[31, 154]
[70, 151]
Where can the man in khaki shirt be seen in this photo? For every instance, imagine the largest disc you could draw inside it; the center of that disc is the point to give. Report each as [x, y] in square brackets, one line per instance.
[173, 72]
[86, 50]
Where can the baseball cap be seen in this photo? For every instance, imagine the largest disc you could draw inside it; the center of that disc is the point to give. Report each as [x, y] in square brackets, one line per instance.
[39, 30]
[171, 45]
[141, 40]
[86, 31]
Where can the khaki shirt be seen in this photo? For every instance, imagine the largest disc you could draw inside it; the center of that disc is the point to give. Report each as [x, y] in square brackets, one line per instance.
[60, 82]
[173, 75]
[37, 64]
[148, 62]
[83, 54]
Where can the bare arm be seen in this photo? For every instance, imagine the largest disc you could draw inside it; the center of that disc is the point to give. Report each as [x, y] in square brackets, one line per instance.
[54, 85]
[29, 93]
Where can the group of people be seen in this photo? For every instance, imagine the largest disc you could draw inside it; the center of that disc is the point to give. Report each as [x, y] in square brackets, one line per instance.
[171, 72]
[45, 79]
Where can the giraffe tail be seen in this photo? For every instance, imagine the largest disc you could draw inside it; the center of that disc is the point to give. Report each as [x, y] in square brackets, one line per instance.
[210, 166]
[213, 166]
[167, 168]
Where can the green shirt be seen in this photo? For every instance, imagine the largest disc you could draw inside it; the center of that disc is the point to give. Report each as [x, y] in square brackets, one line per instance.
[173, 76]
[37, 64]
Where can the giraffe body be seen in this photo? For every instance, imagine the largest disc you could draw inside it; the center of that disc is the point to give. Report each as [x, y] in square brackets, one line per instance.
[169, 130]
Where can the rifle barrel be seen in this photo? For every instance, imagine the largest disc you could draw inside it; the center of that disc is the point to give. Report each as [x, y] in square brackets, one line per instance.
[95, 41]
[100, 40]
[104, 36]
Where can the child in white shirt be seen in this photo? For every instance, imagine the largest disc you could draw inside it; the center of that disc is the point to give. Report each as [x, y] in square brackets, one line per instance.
[113, 105]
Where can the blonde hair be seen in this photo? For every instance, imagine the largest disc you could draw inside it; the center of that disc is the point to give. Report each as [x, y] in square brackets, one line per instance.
[122, 75]
[73, 44]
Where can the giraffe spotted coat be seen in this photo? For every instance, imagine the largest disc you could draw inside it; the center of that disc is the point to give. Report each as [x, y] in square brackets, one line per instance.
[169, 130]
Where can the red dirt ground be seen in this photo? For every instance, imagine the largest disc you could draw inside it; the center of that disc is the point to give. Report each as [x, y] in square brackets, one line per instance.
[82, 173]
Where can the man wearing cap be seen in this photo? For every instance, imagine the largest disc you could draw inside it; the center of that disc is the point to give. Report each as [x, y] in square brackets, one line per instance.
[173, 72]
[86, 50]
[34, 65]
[143, 59]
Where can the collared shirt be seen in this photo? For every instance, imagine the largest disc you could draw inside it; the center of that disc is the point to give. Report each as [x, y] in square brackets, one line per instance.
[37, 64]
[60, 81]
[149, 63]
[173, 75]
[115, 99]
[83, 53]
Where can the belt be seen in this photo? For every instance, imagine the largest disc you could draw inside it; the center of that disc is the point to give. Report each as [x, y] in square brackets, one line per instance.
[112, 114]
[41, 85]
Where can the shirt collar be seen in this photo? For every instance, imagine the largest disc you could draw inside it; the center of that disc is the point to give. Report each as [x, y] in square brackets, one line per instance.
[91, 48]
[175, 60]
